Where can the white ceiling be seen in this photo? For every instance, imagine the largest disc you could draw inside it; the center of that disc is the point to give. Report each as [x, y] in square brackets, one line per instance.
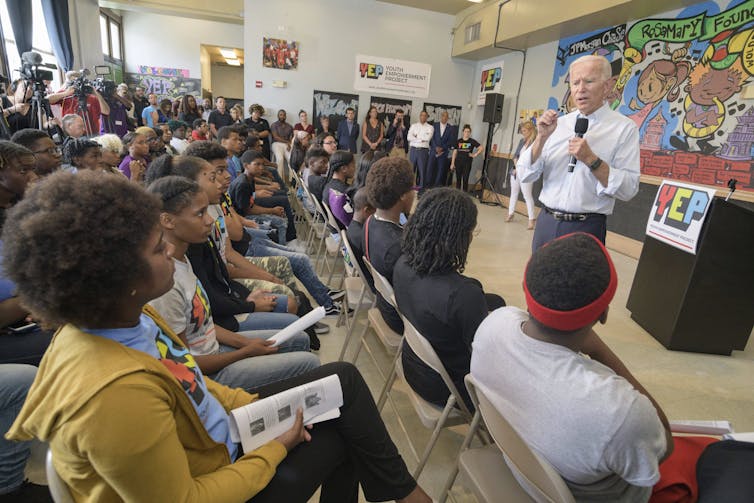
[444, 6]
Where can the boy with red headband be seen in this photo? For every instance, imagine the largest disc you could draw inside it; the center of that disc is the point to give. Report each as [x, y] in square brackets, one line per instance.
[559, 385]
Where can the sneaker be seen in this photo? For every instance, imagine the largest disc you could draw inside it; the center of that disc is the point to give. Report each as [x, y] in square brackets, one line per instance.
[336, 295]
[296, 246]
[335, 310]
[321, 328]
[314, 343]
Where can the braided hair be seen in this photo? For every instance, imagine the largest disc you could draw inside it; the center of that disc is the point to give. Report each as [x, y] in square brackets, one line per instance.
[437, 237]
[180, 165]
[339, 160]
[77, 147]
[176, 192]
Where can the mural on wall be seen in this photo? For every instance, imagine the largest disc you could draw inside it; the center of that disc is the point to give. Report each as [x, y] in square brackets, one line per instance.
[333, 105]
[164, 87]
[680, 80]
[164, 72]
[386, 108]
[280, 54]
[434, 110]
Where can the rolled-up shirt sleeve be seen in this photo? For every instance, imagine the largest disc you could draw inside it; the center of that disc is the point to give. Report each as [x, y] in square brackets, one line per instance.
[528, 171]
[625, 168]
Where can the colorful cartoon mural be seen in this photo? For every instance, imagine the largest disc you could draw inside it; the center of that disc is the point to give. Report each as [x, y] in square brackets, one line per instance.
[680, 80]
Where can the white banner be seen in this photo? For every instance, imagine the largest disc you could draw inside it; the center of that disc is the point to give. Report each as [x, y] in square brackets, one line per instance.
[490, 81]
[391, 76]
[678, 213]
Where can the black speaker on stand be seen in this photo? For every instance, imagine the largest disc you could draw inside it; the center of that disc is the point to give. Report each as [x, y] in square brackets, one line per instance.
[493, 114]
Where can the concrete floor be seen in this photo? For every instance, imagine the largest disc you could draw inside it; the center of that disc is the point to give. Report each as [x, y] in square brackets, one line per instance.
[687, 385]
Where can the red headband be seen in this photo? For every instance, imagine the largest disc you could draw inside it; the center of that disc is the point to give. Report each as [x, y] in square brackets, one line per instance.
[569, 321]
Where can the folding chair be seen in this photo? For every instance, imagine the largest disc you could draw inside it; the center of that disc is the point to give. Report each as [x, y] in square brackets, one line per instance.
[332, 246]
[58, 488]
[509, 466]
[358, 292]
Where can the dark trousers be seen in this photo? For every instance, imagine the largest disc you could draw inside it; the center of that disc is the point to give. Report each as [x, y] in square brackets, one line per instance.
[271, 202]
[354, 449]
[24, 348]
[463, 170]
[419, 157]
[548, 228]
[723, 472]
[440, 167]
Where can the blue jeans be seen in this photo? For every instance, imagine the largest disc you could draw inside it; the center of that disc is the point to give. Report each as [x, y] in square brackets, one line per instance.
[266, 321]
[281, 303]
[282, 201]
[300, 263]
[15, 381]
[293, 358]
[280, 224]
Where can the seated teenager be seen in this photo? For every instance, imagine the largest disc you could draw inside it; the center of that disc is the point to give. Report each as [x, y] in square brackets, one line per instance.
[199, 130]
[136, 157]
[316, 165]
[204, 173]
[445, 306]
[110, 147]
[269, 179]
[47, 155]
[336, 191]
[365, 164]
[274, 258]
[223, 355]
[390, 191]
[81, 153]
[562, 388]
[355, 232]
[127, 413]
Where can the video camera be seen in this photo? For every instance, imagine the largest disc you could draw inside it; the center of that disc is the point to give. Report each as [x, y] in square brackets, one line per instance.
[31, 68]
[105, 87]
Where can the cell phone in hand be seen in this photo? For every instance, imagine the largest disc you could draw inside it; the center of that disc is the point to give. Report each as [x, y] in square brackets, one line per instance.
[22, 327]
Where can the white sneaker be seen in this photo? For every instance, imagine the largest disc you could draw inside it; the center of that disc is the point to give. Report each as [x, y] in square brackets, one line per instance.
[296, 246]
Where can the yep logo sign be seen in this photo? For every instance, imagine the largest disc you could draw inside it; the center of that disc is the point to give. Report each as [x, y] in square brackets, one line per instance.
[490, 78]
[370, 70]
[678, 206]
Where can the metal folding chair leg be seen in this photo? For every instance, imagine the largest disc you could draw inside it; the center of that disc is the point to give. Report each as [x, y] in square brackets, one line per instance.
[465, 445]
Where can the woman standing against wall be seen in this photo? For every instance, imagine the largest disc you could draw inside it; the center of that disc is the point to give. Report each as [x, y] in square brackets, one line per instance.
[529, 132]
[372, 132]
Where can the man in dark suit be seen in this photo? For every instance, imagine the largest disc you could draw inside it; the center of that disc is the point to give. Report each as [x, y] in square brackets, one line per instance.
[443, 139]
[397, 136]
[348, 132]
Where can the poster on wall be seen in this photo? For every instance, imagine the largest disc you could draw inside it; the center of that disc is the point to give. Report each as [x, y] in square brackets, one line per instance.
[435, 110]
[164, 72]
[680, 80]
[490, 81]
[333, 105]
[280, 54]
[530, 115]
[391, 76]
[678, 213]
[164, 87]
[386, 108]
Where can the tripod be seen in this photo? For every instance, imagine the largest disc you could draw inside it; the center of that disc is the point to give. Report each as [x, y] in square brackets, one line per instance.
[485, 180]
[82, 112]
[41, 113]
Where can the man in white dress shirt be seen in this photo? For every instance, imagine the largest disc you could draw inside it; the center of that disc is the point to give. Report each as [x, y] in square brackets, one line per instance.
[419, 135]
[607, 166]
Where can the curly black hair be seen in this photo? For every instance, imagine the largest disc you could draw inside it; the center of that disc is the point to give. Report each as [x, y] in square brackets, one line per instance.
[73, 244]
[224, 132]
[568, 273]
[77, 147]
[207, 150]
[437, 237]
[10, 151]
[176, 192]
[388, 179]
[180, 165]
[28, 137]
[315, 152]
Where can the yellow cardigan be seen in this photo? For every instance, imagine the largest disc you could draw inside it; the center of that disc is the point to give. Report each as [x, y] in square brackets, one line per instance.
[121, 428]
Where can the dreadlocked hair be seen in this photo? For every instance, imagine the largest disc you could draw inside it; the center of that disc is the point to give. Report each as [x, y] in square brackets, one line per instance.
[176, 192]
[77, 147]
[180, 165]
[437, 237]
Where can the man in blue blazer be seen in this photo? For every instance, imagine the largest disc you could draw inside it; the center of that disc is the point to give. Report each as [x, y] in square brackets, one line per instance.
[348, 132]
[443, 140]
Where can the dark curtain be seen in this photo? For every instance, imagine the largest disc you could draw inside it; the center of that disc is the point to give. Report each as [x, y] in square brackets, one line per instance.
[20, 19]
[59, 31]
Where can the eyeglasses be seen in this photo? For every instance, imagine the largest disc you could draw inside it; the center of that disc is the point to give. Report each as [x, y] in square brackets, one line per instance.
[51, 151]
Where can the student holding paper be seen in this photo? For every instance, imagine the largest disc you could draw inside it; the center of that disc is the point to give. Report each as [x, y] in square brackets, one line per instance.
[223, 355]
[126, 411]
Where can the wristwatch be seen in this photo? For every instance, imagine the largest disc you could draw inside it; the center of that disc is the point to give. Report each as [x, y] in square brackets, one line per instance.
[596, 164]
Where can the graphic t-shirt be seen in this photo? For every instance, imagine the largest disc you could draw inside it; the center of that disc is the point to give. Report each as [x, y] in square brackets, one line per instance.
[186, 308]
[465, 148]
[150, 339]
[219, 233]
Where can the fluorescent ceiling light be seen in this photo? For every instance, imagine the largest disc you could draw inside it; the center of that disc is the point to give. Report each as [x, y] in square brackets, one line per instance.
[228, 53]
[233, 62]
[476, 1]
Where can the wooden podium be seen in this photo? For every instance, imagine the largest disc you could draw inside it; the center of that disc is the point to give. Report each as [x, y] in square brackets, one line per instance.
[702, 303]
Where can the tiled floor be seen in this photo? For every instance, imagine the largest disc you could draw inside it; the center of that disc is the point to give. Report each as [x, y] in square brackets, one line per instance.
[687, 385]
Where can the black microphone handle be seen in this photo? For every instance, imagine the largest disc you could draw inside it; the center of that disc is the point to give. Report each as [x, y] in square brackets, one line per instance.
[572, 162]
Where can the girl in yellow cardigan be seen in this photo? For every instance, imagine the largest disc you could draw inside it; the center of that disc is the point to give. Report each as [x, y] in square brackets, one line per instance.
[119, 398]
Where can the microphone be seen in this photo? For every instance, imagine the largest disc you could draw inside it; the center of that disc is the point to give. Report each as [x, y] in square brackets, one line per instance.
[732, 186]
[582, 124]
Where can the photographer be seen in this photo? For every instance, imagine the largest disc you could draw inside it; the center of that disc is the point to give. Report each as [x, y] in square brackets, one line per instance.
[16, 106]
[79, 91]
[119, 102]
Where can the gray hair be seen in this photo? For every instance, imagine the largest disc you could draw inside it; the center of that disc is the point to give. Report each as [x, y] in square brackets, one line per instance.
[606, 69]
[68, 120]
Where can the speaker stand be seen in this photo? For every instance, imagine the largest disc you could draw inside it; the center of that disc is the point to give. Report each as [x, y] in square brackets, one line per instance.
[485, 180]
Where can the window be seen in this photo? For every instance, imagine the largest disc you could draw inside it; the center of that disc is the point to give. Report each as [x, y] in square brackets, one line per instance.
[110, 36]
[40, 42]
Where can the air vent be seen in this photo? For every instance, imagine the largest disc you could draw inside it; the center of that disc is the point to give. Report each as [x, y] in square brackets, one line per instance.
[472, 33]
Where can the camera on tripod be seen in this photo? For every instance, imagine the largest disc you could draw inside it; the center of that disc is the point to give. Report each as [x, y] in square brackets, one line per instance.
[32, 68]
[105, 87]
[82, 85]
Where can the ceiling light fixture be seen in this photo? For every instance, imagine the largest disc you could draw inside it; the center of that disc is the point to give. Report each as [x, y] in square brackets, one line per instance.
[228, 53]
[233, 62]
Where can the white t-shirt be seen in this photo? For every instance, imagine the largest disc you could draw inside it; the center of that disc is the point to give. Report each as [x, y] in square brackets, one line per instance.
[186, 308]
[598, 432]
[179, 144]
[219, 232]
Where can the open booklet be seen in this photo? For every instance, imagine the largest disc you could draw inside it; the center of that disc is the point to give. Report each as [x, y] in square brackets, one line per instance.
[259, 422]
[297, 326]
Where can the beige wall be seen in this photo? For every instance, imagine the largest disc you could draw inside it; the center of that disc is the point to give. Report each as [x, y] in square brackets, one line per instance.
[227, 81]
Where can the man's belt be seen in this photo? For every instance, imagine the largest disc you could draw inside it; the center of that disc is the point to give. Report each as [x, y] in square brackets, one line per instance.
[571, 217]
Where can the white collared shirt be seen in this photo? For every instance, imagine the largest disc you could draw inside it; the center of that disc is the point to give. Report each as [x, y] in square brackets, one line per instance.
[420, 134]
[612, 137]
[442, 128]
